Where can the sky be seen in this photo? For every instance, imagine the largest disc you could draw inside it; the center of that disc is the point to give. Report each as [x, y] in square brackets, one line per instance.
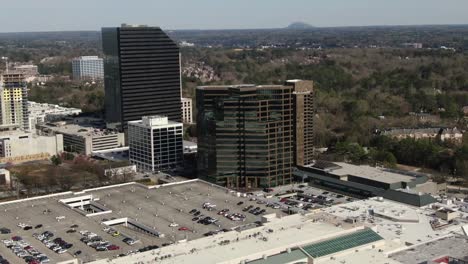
[58, 15]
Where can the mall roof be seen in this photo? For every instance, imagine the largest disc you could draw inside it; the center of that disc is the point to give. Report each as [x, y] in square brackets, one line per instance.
[294, 256]
[356, 239]
[371, 173]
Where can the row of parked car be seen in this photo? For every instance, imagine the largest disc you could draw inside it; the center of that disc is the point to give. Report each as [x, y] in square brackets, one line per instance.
[24, 250]
[28, 227]
[212, 233]
[202, 219]
[58, 245]
[232, 216]
[255, 211]
[98, 243]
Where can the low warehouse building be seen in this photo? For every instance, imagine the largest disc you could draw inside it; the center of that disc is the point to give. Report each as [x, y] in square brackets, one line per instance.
[367, 181]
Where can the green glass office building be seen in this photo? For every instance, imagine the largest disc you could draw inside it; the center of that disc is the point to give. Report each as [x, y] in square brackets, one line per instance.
[247, 134]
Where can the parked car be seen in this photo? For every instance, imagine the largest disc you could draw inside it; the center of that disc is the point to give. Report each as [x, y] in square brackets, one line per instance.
[5, 230]
[113, 247]
[129, 241]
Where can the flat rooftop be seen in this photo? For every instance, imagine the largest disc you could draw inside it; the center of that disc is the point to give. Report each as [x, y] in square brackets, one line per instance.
[156, 121]
[156, 208]
[453, 246]
[45, 108]
[395, 221]
[274, 237]
[371, 173]
[82, 129]
[240, 87]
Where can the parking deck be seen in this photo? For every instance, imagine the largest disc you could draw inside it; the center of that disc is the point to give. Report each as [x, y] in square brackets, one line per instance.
[165, 209]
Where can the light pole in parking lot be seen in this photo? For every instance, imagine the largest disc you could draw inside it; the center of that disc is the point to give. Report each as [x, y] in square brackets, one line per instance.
[154, 220]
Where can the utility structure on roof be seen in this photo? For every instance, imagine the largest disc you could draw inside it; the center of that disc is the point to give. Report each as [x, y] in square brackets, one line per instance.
[251, 136]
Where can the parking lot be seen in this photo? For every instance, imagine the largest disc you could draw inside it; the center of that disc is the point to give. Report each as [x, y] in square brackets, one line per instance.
[302, 198]
[175, 211]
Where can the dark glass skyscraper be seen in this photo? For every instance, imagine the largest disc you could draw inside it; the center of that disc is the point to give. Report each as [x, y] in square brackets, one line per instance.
[251, 136]
[142, 74]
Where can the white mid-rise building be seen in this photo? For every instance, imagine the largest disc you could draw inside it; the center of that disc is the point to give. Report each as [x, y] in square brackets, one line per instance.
[155, 143]
[88, 67]
[19, 146]
[40, 113]
[83, 137]
[187, 110]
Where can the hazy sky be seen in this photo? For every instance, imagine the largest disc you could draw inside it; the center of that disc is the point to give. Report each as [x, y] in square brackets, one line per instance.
[51, 15]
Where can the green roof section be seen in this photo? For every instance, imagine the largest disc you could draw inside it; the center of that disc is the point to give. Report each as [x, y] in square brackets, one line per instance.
[356, 239]
[285, 257]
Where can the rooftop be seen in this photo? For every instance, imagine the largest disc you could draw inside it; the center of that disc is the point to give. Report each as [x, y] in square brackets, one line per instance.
[286, 257]
[327, 247]
[154, 207]
[453, 246]
[395, 221]
[241, 87]
[88, 58]
[154, 122]
[51, 109]
[83, 126]
[81, 130]
[372, 173]
[433, 130]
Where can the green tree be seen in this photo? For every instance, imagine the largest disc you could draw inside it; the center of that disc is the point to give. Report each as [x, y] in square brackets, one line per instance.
[56, 160]
[351, 152]
[382, 157]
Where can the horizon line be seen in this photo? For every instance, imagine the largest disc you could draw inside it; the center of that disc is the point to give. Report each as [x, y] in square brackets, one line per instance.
[232, 29]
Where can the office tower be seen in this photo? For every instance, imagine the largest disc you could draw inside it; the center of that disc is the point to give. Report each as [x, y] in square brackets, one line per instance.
[13, 102]
[247, 134]
[88, 68]
[155, 143]
[142, 74]
[187, 111]
[304, 112]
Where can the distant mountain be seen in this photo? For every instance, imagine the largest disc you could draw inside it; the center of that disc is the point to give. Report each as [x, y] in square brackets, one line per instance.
[299, 25]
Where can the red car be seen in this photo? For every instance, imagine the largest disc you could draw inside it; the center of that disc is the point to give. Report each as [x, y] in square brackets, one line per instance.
[184, 228]
[113, 247]
[16, 238]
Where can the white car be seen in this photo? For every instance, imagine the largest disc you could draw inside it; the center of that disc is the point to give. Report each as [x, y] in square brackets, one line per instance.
[174, 225]
[56, 248]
